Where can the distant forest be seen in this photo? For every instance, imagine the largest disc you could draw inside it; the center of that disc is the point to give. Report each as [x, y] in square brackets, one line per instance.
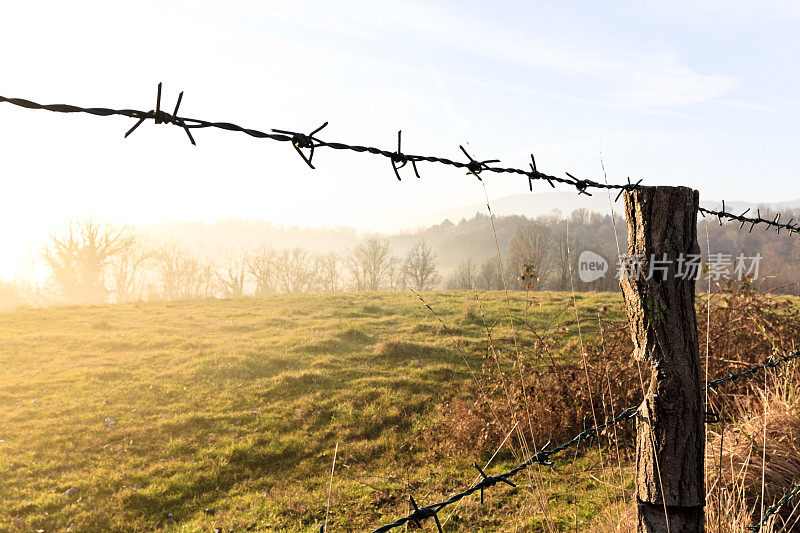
[91, 263]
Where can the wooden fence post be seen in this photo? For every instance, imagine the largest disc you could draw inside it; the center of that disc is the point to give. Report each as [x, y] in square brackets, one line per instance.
[662, 234]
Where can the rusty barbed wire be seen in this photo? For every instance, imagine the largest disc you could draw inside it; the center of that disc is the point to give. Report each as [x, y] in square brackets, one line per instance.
[544, 455]
[794, 491]
[752, 221]
[305, 144]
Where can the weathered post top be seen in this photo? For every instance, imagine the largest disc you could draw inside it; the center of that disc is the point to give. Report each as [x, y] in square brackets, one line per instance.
[659, 293]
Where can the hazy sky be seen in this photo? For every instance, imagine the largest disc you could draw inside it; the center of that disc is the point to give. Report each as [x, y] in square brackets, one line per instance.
[702, 93]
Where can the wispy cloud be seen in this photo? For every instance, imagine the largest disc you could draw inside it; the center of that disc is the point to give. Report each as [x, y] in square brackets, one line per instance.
[637, 79]
[660, 80]
[718, 11]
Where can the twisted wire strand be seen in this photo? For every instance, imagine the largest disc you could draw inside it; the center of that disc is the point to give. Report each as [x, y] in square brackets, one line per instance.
[751, 371]
[752, 221]
[311, 142]
[542, 457]
[794, 491]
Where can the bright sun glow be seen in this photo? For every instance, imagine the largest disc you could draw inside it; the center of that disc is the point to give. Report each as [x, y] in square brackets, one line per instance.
[672, 96]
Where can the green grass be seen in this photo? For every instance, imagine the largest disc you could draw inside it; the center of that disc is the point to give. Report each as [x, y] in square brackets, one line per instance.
[141, 416]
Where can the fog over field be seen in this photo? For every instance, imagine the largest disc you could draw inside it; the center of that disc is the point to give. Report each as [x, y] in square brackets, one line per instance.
[236, 257]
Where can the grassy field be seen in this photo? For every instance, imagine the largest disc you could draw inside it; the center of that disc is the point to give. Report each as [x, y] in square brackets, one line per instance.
[194, 415]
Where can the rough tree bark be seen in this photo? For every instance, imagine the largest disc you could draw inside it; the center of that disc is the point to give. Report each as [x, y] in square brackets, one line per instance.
[662, 228]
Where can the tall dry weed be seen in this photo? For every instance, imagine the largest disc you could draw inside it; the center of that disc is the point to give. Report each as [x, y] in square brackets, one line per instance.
[544, 389]
[741, 455]
[755, 452]
[543, 385]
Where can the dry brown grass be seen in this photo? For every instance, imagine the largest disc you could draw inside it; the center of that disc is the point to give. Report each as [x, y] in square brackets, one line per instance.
[735, 463]
[756, 452]
[538, 376]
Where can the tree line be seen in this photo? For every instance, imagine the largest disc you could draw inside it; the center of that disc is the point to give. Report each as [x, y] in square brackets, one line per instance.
[93, 263]
[90, 263]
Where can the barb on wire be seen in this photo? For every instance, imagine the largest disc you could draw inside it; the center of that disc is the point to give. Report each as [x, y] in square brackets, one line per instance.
[301, 140]
[161, 117]
[581, 185]
[534, 172]
[631, 185]
[743, 220]
[399, 159]
[489, 481]
[425, 512]
[306, 144]
[475, 167]
[795, 490]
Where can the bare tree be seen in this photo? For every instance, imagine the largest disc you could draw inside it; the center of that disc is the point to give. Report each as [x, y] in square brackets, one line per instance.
[294, 271]
[261, 265]
[396, 275]
[183, 276]
[205, 283]
[369, 263]
[465, 277]
[232, 277]
[79, 259]
[531, 247]
[126, 272]
[420, 266]
[490, 277]
[170, 266]
[561, 262]
[328, 267]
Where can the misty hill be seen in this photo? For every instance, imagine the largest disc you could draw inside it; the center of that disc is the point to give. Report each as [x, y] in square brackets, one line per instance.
[538, 204]
[534, 205]
[455, 234]
[206, 260]
[453, 242]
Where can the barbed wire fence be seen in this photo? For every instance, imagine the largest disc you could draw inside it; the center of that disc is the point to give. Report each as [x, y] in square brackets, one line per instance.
[546, 453]
[306, 144]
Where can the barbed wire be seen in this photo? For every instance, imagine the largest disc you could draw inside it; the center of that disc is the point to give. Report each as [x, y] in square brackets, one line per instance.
[795, 490]
[544, 455]
[750, 371]
[305, 144]
[747, 373]
[542, 458]
[752, 221]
